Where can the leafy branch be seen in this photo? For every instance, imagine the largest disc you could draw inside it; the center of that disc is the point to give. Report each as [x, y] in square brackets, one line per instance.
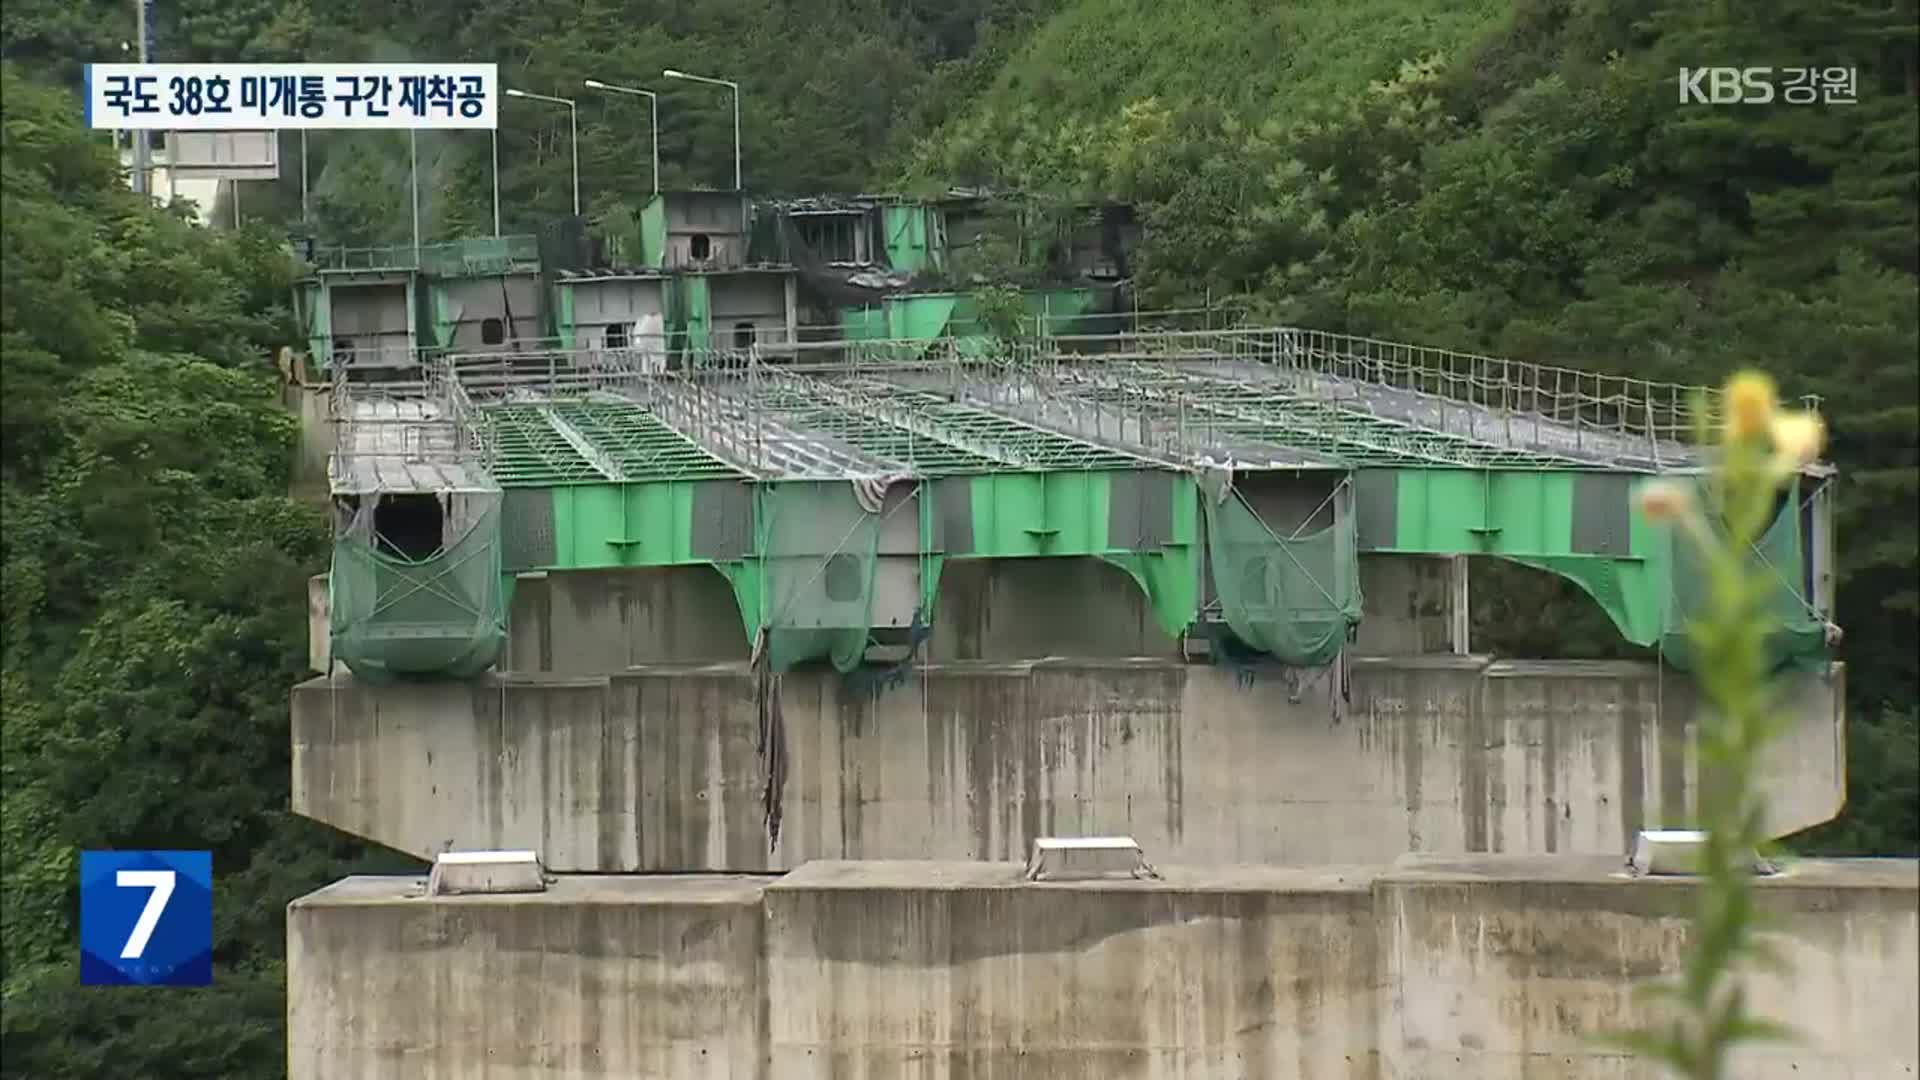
[1759, 449]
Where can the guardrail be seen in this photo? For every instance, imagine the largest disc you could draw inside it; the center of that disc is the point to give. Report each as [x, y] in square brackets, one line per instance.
[480, 255]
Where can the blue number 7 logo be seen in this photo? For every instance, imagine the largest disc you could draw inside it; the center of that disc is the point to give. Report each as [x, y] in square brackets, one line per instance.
[146, 918]
[161, 882]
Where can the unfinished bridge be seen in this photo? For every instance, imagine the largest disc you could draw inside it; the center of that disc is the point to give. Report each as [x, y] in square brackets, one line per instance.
[1237, 476]
[1146, 582]
[880, 615]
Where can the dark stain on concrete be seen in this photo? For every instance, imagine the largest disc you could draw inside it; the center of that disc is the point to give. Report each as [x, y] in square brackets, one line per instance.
[961, 608]
[1633, 775]
[936, 928]
[1550, 780]
[491, 734]
[1409, 732]
[618, 729]
[1473, 758]
[1173, 775]
[1673, 722]
[853, 714]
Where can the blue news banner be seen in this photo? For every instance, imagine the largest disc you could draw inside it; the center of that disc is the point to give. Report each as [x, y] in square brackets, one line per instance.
[146, 918]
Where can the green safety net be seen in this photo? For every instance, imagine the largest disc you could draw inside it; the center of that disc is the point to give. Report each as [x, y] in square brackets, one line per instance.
[441, 616]
[1631, 591]
[819, 548]
[1292, 596]
[1171, 582]
[1798, 638]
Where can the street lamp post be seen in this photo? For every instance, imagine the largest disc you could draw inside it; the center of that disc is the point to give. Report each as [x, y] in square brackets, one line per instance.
[573, 126]
[496, 180]
[305, 217]
[735, 87]
[413, 184]
[653, 110]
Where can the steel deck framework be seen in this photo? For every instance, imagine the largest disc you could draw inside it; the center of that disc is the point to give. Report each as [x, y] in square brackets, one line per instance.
[1168, 399]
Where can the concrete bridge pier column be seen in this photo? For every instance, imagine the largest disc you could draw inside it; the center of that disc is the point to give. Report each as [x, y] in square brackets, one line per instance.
[1412, 605]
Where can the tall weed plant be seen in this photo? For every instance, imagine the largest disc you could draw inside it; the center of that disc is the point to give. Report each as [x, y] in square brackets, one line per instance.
[1755, 450]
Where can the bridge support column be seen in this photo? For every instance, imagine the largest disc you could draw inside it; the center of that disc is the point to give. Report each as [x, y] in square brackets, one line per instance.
[1413, 605]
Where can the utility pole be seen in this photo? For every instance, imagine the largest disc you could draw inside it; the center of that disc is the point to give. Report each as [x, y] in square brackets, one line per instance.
[141, 154]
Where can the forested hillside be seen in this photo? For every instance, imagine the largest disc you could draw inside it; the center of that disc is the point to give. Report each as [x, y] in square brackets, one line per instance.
[154, 616]
[1509, 176]
[830, 88]
[1521, 179]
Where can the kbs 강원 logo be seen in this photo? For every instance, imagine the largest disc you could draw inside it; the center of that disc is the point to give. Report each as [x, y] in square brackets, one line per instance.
[1763, 85]
[146, 918]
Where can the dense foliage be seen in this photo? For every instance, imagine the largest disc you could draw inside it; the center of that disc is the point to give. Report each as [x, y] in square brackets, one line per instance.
[1510, 177]
[826, 89]
[155, 616]
[1522, 180]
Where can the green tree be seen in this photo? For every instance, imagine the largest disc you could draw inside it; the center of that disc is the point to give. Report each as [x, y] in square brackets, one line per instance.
[154, 568]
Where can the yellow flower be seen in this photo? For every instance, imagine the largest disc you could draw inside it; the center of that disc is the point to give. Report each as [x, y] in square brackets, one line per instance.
[1664, 500]
[1797, 439]
[1750, 405]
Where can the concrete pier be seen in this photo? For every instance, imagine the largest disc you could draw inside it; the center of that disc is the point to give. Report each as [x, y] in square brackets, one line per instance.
[1434, 968]
[656, 769]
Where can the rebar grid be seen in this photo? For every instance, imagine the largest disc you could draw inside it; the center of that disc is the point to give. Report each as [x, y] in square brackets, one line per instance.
[1211, 408]
[969, 417]
[877, 428]
[1274, 396]
[1498, 394]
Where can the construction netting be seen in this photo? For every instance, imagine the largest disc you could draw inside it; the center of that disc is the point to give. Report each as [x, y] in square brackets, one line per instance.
[819, 545]
[441, 615]
[1291, 593]
[1799, 634]
[808, 593]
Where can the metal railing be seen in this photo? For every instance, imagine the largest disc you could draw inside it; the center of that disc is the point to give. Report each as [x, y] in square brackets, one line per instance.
[387, 429]
[479, 255]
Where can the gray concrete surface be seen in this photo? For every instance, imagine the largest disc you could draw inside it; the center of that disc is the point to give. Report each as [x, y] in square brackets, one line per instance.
[597, 977]
[1407, 606]
[601, 622]
[1024, 609]
[1435, 968]
[1503, 967]
[657, 769]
